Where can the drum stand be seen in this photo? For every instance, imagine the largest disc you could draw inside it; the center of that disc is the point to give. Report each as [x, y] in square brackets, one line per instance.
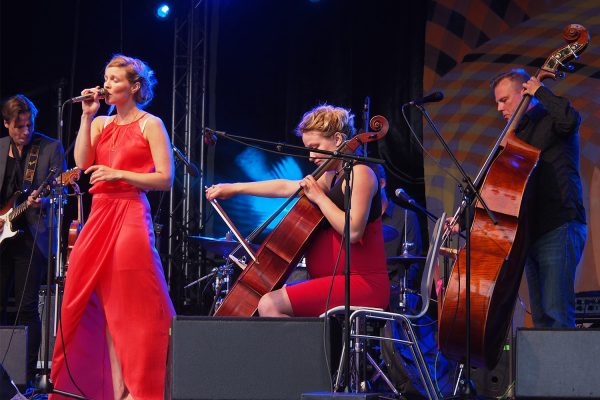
[222, 276]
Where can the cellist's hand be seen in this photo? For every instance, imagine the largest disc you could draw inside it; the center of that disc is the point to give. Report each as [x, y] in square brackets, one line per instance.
[220, 191]
[531, 86]
[312, 189]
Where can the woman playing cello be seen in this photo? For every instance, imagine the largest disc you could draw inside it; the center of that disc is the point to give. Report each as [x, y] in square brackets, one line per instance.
[325, 128]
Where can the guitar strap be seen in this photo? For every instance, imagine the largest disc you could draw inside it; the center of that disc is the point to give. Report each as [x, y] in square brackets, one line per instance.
[30, 165]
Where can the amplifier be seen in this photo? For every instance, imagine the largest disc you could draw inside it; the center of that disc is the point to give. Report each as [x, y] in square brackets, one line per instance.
[587, 307]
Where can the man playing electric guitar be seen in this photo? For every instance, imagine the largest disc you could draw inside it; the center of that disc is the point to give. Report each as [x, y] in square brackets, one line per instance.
[26, 158]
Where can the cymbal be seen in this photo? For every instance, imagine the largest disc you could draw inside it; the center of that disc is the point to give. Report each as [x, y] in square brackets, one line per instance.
[406, 259]
[389, 233]
[216, 245]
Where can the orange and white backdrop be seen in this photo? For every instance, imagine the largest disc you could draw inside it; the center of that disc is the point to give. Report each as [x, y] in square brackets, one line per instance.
[470, 41]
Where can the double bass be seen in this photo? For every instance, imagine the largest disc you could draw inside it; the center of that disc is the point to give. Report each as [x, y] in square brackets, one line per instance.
[285, 245]
[498, 251]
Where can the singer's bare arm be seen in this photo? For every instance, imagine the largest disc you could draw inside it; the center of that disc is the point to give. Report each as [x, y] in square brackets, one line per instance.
[89, 130]
[162, 156]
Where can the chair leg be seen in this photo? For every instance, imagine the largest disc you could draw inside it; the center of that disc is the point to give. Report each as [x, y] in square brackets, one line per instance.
[428, 384]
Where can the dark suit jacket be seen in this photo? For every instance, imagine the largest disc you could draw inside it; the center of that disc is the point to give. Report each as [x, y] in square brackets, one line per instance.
[51, 155]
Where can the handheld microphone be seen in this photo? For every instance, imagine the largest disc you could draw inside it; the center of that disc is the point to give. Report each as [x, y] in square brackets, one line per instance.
[430, 98]
[190, 167]
[102, 93]
[402, 195]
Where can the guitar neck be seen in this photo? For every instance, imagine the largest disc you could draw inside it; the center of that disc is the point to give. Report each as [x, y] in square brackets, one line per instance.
[17, 211]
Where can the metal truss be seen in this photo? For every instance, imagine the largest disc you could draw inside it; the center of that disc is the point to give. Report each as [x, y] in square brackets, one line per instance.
[186, 200]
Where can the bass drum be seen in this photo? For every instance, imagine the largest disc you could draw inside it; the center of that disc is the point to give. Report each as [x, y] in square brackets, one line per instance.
[401, 367]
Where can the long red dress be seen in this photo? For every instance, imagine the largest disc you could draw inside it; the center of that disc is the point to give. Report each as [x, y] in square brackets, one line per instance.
[369, 282]
[115, 283]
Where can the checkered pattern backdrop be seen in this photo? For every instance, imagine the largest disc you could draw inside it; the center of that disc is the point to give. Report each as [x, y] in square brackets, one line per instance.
[469, 42]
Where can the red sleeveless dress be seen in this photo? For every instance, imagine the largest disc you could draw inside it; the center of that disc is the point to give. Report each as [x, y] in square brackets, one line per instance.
[369, 282]
[115, 283]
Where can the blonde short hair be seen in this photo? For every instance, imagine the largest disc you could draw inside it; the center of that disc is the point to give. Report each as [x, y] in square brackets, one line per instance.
[328, 120]
[137, 71]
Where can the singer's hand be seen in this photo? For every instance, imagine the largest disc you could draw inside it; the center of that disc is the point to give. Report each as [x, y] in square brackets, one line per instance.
[103, 173]
[220, 191]
[312, 190]
[90, 107]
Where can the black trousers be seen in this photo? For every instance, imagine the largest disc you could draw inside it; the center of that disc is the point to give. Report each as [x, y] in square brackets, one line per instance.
[22, 267]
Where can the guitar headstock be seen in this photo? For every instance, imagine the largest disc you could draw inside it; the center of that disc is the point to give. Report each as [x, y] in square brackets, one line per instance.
[69, 177]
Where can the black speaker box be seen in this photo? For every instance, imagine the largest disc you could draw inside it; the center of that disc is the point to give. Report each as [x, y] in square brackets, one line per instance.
[228, 358]
[558, 364]
[14, 339]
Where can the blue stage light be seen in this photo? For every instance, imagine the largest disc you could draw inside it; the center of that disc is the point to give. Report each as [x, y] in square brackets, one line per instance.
[162, 11]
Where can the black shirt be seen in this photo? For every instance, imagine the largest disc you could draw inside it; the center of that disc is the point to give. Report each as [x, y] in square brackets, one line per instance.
[13, 181]
[553, 127]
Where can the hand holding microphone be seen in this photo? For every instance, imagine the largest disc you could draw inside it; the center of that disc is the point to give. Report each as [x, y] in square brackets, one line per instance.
[90, 100]
[89, 94]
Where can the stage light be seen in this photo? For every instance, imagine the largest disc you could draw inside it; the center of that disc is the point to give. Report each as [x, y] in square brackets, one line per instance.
[162, 11]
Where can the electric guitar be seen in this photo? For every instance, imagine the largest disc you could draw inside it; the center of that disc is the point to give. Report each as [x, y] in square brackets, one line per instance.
[10, 211]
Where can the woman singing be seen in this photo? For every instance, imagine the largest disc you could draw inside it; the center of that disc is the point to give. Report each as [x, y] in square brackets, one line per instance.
[116, 309]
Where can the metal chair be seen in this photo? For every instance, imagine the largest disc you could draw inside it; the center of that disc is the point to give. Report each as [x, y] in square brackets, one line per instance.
[364, 315]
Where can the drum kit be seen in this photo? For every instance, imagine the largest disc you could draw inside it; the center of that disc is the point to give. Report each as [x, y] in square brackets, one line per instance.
[222, 275]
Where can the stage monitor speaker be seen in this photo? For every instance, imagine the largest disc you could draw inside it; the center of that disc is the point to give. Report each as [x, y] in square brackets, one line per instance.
[14, 339]
[558, 364]
[225, 358]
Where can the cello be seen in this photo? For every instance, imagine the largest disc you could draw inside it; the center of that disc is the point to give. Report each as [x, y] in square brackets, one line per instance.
[285, 245]
[498, 251]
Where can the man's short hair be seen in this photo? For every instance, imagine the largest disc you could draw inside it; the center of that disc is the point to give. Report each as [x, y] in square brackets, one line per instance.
[517, 75]
[16, 105]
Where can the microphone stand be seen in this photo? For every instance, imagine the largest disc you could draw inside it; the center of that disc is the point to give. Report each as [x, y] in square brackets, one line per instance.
[348, 162]
[469, 194]
[44, 384]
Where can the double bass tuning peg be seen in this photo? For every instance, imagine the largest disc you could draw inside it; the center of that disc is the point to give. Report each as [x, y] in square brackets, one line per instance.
[566, 68]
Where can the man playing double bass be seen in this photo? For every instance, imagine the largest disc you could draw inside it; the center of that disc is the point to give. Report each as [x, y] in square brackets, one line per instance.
[558, 218]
